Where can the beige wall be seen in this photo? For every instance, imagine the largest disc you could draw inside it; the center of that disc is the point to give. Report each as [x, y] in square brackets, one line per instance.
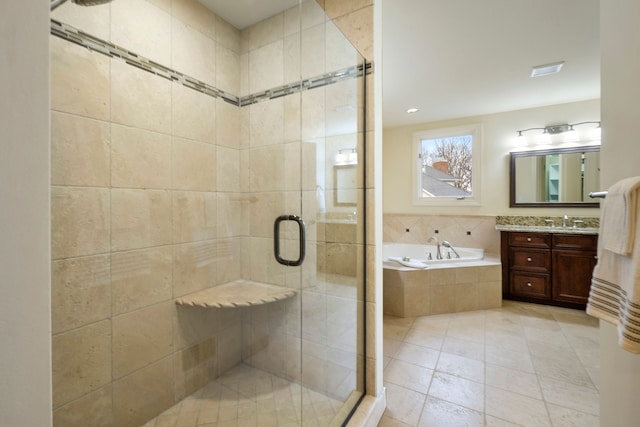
[620, 370]
[498, 131]
[145, 189]
[25, 361]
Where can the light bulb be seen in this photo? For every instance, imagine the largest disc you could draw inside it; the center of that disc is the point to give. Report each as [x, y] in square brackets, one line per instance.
[520, 140]
[544, 138]
[571, 135]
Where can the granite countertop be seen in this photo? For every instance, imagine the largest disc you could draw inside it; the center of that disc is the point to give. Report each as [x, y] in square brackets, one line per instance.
[547, 229]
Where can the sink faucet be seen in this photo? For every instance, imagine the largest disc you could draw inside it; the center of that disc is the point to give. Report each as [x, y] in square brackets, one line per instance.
[565, 218]
[448, 245]
[438, 253]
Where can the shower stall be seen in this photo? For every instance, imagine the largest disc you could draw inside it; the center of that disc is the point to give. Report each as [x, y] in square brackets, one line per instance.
[208, 214]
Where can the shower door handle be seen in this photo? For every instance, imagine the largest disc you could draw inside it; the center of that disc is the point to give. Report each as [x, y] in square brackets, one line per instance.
[276, 240]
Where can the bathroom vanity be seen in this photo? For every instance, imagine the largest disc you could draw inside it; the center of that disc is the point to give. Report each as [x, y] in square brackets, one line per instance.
[549, 265]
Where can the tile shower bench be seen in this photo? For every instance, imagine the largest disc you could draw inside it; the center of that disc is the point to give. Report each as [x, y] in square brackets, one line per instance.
[239, 293]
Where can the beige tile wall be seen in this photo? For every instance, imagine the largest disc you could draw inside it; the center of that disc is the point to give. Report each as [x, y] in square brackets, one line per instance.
[465, 231]
[159, 191]
[411, 293]
[144, 204]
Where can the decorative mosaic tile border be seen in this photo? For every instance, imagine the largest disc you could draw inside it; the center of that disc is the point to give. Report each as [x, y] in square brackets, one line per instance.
[95, 44]
[539, 221]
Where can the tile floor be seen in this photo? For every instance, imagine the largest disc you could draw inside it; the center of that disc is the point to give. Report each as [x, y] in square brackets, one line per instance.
[519, 365]
[246, 396]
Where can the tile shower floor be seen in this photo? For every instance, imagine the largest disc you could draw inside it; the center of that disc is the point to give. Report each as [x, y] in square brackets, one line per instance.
[520, 365]
[246, 396]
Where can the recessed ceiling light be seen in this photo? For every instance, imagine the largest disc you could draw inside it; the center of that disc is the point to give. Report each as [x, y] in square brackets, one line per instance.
[546, 69]
[412, 110]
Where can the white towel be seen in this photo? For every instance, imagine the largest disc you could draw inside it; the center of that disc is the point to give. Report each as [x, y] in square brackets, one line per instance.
[619, 216]
[413, 263]
[615, 287]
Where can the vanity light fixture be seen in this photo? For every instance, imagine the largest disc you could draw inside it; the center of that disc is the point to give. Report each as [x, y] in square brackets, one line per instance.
[346, 157]
[571, 135]
[545, 138]
[520, 140]
[596, 133]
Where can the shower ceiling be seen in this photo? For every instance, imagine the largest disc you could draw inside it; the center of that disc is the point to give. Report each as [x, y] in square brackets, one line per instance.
[244, 13]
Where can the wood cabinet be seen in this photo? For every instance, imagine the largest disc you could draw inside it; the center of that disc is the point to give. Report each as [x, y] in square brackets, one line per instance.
[548, 268]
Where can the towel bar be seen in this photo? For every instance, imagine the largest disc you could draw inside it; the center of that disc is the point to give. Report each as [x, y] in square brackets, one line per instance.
[598, 194]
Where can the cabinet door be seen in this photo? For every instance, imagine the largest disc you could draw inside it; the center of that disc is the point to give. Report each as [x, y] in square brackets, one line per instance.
[572, 273]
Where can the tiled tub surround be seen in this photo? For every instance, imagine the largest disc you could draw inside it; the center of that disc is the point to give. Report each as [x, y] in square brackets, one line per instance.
[443, 288]
[160, 191]
[466, 231]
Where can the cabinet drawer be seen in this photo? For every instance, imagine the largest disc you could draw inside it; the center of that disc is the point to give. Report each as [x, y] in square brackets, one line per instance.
[537, 260]
[530, 285]
[575, 241]
[530, 240]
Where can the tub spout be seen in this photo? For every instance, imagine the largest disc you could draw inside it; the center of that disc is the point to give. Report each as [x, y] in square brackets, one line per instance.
[450, 246]
[438, 253]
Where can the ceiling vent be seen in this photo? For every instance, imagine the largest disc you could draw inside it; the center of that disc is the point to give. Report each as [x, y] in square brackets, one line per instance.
[546, 69]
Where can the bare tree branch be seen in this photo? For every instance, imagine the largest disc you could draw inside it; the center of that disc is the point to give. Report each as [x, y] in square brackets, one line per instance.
[457, 152]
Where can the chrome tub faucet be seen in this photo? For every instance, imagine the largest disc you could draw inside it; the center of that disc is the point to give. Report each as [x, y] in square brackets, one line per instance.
[450, 246]
[438, 253]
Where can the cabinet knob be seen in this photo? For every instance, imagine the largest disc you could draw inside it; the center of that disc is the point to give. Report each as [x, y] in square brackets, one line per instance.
[528, 239]
[529, 284]
[595, 257]
[529, 259]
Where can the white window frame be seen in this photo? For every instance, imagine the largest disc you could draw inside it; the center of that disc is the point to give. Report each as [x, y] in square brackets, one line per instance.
[475, 130]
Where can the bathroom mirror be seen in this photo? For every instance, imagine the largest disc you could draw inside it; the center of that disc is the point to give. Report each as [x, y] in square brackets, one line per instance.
[555, 177]
[346, 193]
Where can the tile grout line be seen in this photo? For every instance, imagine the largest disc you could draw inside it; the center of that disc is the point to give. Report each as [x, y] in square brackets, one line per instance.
[548, 414]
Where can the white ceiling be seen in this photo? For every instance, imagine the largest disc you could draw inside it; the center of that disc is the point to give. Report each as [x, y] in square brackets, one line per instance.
[460, 58]
[244, 13]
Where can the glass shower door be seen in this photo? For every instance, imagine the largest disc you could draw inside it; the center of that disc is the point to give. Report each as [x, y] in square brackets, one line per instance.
[333, 204]
[302, 167]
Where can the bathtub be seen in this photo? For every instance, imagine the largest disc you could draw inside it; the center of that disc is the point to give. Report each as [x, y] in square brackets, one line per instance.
[421, 253]
[471, 282]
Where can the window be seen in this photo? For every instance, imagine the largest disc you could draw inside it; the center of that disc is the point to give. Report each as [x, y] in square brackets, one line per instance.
[447, 166]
